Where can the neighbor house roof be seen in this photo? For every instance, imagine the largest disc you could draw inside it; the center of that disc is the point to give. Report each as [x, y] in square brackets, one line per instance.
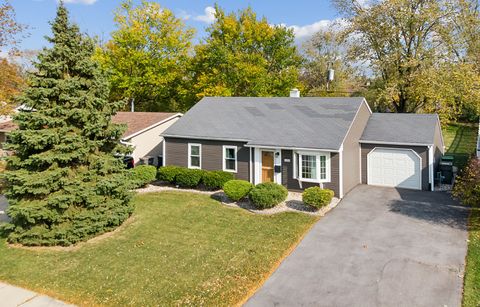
[307, 122]
[402, 128]
[8, 126]
[137, 122]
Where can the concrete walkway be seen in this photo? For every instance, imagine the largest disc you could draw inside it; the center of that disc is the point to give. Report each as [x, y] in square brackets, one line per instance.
[11, 296]
[3, 209]
[378, 247]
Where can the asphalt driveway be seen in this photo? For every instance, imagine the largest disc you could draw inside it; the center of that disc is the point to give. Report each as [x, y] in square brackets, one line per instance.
[379, 247]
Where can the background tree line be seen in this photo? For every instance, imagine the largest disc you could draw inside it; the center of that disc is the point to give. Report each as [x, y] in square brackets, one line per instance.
[402, 55]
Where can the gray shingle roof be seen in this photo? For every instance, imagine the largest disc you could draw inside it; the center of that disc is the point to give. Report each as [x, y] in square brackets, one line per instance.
[401, 128]
[307, 122]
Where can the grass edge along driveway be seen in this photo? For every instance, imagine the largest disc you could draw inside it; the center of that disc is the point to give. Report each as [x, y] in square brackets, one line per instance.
[471, 288]
[460, 141]
[178, 249]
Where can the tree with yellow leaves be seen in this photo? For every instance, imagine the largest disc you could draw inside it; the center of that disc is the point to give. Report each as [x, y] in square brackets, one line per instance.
[11, 83]
[11, 80]
[244, 55]
[147, 57]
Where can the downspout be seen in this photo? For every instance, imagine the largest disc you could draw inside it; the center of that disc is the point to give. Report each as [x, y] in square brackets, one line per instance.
[164, 152]
[250, 168]
[430, 168]
[340, 171]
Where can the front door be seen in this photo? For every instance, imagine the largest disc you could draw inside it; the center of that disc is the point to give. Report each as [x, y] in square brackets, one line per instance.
[267, 166]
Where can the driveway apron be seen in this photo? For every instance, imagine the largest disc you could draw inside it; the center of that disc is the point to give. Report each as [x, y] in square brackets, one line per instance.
[378, 247]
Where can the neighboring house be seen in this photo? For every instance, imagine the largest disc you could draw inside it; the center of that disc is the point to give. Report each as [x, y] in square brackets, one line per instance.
[5, 128]
[143, 133]
[335, 143]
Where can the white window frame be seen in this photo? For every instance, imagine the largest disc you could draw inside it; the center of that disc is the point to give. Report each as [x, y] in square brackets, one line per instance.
[225, 147]
[190, 155]
[297, 165]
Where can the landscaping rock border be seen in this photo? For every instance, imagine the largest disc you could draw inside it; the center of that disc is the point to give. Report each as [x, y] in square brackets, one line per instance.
[293, 203]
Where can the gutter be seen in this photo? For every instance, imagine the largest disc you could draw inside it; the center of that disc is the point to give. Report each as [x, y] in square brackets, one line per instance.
[430, 168]
[393, 143]
[292, 148]
[127, 143]
[166, 135]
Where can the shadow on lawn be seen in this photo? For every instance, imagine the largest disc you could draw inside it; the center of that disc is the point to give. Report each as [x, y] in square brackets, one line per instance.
[457, 150]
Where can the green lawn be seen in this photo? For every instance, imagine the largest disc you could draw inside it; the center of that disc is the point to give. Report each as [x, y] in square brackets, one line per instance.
[179, 248]
[460, 141]
[471, 292]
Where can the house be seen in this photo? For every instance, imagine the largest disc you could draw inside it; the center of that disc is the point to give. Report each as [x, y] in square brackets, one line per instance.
[334, 143]
[143, 133]
[5, 127]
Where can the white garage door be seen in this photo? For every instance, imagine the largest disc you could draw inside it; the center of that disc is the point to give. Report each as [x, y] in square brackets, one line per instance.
[394, 168]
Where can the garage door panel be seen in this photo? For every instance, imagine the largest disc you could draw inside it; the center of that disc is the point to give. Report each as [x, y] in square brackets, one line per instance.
[394, 167]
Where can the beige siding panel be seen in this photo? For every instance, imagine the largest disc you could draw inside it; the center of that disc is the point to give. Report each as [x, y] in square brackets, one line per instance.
[150, 142]
[351, 150]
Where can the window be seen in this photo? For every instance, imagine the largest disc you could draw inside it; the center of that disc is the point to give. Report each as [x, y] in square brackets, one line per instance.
[309, 166]
[230, 158]
[194, 156]
[313, 167]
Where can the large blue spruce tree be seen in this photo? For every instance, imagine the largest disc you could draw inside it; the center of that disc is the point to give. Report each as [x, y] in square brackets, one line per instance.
[64, 184]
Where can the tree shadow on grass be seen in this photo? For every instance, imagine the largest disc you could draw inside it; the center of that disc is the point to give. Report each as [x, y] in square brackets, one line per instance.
[457, 148]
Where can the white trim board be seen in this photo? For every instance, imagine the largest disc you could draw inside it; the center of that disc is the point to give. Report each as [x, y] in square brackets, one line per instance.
[317, 154]
[199, 155]
[224, 158]
[430, 168]
[291, 148]
[152, 126]
[203, 138]
[340, 173]
[394, 143]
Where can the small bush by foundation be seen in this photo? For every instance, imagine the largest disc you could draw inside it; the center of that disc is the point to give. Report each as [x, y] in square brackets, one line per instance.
[268, 194]
[317, 197]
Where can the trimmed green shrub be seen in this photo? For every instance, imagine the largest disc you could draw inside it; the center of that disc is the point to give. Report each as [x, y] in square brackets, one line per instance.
[268, 194]
[237, 189]
[317, 197]
[189, 178]
[215, 180]
[168, 173]
[142, 175]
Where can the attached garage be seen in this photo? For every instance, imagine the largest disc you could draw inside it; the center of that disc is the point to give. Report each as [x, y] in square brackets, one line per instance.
[401, 150]
[394, 167]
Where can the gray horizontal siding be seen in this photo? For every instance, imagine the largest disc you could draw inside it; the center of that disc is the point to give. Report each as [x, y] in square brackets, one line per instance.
[176, 151]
